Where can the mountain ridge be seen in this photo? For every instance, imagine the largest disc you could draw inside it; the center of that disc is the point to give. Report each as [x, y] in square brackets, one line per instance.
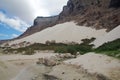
[97, 13]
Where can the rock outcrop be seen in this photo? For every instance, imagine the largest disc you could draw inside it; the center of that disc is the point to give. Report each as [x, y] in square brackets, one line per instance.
[96, 13]
[40, 23]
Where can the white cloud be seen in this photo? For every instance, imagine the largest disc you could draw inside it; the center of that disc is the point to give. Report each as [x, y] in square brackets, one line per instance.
[14, 22]
[27, 10]
[3, 35]
[14, 35]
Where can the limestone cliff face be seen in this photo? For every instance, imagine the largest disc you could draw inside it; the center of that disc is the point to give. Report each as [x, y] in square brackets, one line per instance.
[39, 24]
[45, 20]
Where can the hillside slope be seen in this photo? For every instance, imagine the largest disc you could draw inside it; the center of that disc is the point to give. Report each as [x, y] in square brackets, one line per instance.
[110, 36]
[65, 33]
[100, 14]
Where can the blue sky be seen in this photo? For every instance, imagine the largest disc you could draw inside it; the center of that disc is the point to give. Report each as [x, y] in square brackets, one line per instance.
[17, 15]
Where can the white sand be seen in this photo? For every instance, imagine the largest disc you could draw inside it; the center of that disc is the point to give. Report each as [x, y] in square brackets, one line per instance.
[70, 73]
[65, 32]
[21, 67]
[26, 57]
[32, 72]
[7, 71]
[112, 35]
[98, 63]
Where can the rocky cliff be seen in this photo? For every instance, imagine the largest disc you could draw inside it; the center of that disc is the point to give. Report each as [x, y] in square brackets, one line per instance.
[96, 13]
[40, 23]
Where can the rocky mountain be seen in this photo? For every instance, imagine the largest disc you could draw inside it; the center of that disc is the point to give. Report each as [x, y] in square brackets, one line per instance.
[96, 13]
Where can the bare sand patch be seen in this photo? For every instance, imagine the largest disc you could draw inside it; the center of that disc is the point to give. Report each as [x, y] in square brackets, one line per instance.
[98, 63]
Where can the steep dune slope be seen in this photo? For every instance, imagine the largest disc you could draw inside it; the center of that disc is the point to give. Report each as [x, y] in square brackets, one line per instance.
[112, 35]
[66, 32]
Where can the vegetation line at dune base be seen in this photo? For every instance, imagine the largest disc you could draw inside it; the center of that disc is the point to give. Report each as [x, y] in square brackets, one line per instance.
[110, 48]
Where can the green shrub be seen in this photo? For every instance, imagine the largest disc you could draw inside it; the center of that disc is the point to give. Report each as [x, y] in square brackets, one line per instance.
[110, 48]
[61, 49]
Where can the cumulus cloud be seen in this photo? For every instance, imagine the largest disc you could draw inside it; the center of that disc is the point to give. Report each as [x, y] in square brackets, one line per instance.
[14, 22]
[14, 35]
[27, 10]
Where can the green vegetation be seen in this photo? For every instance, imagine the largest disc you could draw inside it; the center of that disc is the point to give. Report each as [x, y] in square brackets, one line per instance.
[57, 47]
[29, 50]
[110, 48]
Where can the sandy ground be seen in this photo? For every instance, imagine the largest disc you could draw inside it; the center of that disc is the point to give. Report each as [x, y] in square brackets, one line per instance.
[67, 72]
[24, 67]
[110, 36]
[98, 63]
[18, 67]
[65, 32]
[25, 57]
[7, 70]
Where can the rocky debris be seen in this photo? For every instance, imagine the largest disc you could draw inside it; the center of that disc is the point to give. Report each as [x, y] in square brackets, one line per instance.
[65, 56]
[78, 54]
[50, 77]
[54, 60]
[48, 61]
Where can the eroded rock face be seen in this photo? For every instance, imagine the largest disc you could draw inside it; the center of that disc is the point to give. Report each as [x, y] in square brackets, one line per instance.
[40, 23]
[96, 13]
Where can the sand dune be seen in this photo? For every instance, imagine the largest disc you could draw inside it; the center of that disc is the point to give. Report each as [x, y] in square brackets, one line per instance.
[66, 32]
[112, 35]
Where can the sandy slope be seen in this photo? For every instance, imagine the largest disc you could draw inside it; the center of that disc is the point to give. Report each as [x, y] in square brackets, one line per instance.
[98, 63]
[112, 35]
[65, 32]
